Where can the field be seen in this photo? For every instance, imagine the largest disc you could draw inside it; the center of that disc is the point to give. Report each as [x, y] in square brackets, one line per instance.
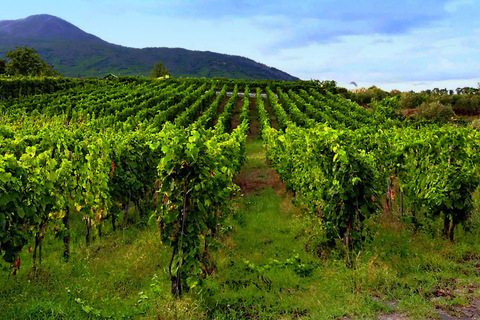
[134, 198]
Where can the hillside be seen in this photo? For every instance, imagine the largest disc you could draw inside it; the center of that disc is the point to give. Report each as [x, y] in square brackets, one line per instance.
[73, 52]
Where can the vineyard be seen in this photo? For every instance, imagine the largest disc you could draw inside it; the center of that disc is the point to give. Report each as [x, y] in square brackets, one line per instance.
[384, 205]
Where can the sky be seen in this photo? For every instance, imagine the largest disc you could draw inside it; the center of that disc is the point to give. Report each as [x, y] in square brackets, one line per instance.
[406, 45]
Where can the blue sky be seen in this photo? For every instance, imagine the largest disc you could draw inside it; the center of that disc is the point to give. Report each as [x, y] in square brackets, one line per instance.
[390, 44]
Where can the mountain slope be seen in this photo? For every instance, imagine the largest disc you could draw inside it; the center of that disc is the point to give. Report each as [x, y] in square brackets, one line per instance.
[73, 51]
[44, 26]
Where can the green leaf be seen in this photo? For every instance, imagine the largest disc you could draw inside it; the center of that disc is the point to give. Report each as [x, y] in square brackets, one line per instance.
[152, 221]
[192, 282]
[170, 216]
[5, 198]
[356, 180]
[3, 221]
[21, 212]
[201, 206]
[5, 177]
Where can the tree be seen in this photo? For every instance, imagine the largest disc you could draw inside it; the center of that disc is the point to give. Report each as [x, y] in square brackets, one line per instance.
[26, 62]
[159, 70]
[3, 66]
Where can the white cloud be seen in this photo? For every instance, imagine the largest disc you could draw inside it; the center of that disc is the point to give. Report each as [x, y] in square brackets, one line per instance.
[453, 6]
[429, 85]
[422, 56]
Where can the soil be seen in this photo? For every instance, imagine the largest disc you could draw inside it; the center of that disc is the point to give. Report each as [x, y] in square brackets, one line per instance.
[408, 112]
[393, 316]
[258, 178]
[463, 113]
[273, 119]
[445, 312]
[220, 109]
[470, 311]
[253, 179]
[236, 115]
[458, 312]
[254, 130]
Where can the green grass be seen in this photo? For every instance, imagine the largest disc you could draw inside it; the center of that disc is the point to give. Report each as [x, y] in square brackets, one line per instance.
[119, 276]
[255, 155]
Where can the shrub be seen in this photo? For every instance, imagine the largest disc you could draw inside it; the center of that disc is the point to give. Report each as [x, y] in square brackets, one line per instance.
[442, 98]
[411, 100]
[468, 103]
[434, 111]
[475, 124]
[395, 93]
[366, 96]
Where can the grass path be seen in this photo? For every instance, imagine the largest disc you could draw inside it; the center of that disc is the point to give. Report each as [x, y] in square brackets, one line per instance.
[263, 270]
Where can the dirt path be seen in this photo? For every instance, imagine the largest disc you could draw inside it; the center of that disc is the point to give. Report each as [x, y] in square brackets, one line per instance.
[236, 114]
[220, 110]
[256, 174]
[265, 228]
[254, 131]
[273, 119]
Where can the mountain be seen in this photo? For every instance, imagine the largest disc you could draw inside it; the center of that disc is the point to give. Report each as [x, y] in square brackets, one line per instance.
[72, 52]
[44, 26]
